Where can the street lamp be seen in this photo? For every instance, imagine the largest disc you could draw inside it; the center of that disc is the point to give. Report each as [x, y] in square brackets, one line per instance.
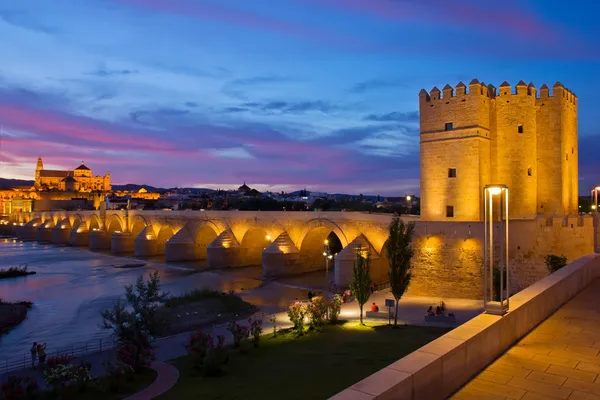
[328, 257]
[498, 305]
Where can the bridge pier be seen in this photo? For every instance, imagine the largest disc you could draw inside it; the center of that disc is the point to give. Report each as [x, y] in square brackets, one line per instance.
[80, 236]
[122, 243]
[181, 247]
[43, 234]
[345, 260]
[224, 252]
[99, 240]
[27, 231]
[281, 257]
[61, 234]
[146, 243]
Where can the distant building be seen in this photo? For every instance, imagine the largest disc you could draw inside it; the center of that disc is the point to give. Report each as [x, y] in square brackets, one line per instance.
[244, 189]
[78, 180]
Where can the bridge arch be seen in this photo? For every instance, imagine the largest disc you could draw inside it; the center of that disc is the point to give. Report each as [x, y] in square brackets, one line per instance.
[138, 223]
[94, 223]
[115, 224]
[76, 220]
[315, 235]
[64, 222]
[165, 233]
[254, 241]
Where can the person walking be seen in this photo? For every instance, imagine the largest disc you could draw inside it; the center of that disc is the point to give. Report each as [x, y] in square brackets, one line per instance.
[41, 350]
[33, 354]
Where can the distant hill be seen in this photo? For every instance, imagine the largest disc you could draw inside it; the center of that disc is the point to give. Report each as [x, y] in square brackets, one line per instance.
[9, 183]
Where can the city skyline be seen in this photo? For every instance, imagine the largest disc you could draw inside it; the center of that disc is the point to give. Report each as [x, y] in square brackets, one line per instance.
[286, 95]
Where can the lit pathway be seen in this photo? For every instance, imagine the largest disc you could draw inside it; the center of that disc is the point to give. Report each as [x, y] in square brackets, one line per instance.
[557, 360]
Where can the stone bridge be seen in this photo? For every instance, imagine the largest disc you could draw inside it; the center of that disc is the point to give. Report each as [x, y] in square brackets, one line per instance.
[283, 243]
[447, 262]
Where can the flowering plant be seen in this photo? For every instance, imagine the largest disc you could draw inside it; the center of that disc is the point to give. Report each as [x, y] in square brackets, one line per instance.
[296, 312]
[217, 356]
[197, 347]
[335, 306]
[316, 310]
[239, 332]
[136, 358]
[256, 330]
[58, 360]
[61, 375]
[17, 388]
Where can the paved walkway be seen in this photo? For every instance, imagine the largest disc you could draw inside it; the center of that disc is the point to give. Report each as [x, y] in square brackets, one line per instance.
[167, 376]
[559, 359]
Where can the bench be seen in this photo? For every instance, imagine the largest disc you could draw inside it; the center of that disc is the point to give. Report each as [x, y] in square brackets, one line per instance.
[441, 318]
[380, 314]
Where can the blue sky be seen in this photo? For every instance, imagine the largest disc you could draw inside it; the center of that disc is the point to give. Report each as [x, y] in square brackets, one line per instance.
[281, 94]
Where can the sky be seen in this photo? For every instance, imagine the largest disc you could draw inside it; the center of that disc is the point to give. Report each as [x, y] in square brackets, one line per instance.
[280, 94]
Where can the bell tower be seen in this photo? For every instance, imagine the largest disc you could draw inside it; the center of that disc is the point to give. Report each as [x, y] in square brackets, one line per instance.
[39, 167]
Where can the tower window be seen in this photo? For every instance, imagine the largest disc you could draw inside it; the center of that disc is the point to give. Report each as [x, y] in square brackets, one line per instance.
[449, 126]
[520, 128]
[529, 172]
[567, 157]
[451, 172]
[572, 150]
[449, 211]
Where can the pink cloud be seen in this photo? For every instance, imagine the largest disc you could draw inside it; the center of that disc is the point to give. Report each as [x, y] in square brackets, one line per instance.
[506, 16]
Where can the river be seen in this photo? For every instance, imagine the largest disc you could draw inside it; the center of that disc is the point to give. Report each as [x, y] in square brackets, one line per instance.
[73, 285]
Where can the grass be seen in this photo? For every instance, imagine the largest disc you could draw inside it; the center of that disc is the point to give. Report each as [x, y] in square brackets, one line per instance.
[314, 366]
[230, 301]
[97, 390]
[14, 272]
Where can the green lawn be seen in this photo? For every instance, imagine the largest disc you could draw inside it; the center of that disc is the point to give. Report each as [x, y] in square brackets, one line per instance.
[314, 366]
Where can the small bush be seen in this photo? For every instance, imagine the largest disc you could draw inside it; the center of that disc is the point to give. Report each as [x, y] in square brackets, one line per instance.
[296, 312]
[116, 376]
[256, 330]
[13, 272]
[554, 263]
[18, 388]
[52, 362]
[316, 311]
[197, 347]
[136, 358]
[335, 307]
[239, 333]
[217, 356]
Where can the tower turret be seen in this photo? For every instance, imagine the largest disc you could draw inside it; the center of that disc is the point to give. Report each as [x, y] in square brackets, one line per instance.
[39, 167]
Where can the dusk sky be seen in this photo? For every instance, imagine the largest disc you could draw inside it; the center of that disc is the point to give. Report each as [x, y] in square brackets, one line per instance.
[281, 94]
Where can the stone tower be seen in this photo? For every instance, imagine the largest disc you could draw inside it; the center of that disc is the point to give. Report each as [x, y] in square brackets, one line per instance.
[471, 138]
[38, 169]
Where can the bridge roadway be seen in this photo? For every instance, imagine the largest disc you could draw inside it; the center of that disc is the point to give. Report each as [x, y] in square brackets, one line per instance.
[284, 243]
[559, 359]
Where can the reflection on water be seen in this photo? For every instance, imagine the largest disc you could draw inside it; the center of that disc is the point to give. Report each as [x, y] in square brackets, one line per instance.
[73, 285]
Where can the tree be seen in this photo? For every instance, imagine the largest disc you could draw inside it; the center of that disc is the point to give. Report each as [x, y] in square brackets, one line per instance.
[137, 322]
[400, 253]
[361, 284]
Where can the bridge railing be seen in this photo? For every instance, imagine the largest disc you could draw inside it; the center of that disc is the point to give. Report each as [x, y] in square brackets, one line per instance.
[23, 361]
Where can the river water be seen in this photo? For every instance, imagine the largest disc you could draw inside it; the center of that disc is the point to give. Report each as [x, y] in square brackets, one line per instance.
[73, 285]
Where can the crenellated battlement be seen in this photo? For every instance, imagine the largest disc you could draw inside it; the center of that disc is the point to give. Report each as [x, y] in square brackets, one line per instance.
[489, 91]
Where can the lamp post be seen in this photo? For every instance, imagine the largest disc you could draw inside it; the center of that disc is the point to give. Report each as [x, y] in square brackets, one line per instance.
[490, 304]
[328, 257]
[595, 193]
[409, 203]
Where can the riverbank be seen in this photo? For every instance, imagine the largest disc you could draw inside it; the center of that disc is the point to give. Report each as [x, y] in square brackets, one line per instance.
[12, 314]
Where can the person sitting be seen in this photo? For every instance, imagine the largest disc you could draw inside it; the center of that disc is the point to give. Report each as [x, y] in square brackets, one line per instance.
[438, 310]
[374, 308]
[430, 311]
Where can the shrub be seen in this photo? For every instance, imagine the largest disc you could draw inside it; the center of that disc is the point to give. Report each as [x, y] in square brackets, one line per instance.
[335, 307]
[239, 333]
[116, 375]
[17, 388]
[197, 347]
[273, 320]
[82, 376]
[554, 263]
[316, 311]
[296, 312]
[255, 330]
[136, 358]
[217, 356]
[52, 362]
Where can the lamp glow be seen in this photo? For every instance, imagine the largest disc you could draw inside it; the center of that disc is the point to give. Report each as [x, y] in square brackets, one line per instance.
[324, 254]
[268, 237]
[494, 190]
[408, 198]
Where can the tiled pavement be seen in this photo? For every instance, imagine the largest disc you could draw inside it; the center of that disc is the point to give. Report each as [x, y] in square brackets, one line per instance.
[559, 359]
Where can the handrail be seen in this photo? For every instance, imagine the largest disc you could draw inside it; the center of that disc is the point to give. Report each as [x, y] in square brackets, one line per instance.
[74, 350]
